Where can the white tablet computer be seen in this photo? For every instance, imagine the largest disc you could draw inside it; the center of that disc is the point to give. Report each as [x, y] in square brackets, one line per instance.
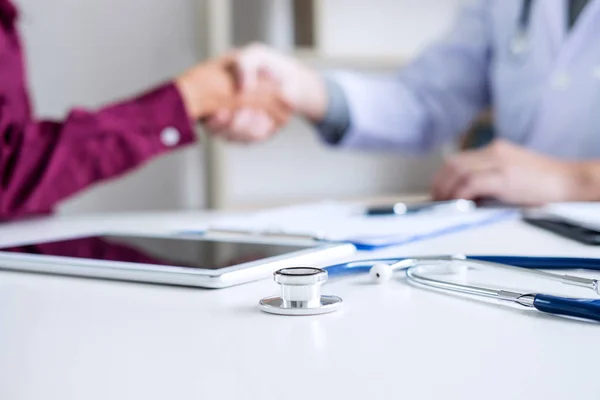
[187, 261]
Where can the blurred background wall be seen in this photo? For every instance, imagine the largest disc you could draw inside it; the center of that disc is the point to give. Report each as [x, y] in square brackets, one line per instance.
[88, 52]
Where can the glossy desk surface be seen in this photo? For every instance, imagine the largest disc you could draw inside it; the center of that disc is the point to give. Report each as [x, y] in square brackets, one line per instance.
[68, 338]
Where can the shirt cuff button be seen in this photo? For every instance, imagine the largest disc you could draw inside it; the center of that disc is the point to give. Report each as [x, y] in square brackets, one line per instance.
[170, 137]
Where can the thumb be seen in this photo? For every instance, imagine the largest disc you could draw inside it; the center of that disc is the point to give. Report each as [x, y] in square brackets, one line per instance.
[249, 65]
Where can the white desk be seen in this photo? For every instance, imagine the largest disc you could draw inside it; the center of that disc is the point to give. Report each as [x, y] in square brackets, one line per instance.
[66, 338]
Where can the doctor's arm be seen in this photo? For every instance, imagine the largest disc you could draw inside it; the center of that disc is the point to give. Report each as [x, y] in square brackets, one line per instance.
[516, 175]
[427, 103]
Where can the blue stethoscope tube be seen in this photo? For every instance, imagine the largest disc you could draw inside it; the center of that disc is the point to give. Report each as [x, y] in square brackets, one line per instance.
[549, 263]
[519, 43]
[571, 307]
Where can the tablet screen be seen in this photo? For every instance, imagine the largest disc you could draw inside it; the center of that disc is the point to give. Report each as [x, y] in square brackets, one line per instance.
[180, 252]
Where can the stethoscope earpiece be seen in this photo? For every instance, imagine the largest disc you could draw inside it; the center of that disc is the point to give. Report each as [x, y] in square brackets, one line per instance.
[381, 273]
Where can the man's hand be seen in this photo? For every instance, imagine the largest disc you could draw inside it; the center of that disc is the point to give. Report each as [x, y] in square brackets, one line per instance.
[211, 88]
[508, 173]
[301, 87]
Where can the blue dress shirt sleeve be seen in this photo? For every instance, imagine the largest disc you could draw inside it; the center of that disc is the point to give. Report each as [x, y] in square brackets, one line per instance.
[427, 103]
[336, 122]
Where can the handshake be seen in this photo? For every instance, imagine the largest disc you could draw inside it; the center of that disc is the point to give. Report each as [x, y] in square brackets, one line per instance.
[250, 93]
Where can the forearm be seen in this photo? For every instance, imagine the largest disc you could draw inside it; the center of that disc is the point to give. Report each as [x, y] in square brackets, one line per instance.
[370, 111]
[46, 162]
[383, 113]
[430, 101]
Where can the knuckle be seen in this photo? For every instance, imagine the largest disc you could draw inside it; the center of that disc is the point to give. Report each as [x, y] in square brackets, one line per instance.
[258, 135]
[455, 166]
[261, 136]
[497, 147]
[466, 192]
[469, 182]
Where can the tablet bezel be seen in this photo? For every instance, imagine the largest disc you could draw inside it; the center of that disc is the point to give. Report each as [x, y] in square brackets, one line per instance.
[318, 255]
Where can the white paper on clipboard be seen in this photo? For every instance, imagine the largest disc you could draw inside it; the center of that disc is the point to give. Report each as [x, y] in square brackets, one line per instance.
[340, 222]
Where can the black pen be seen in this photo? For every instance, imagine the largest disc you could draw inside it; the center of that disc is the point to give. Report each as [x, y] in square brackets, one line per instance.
[412, 208]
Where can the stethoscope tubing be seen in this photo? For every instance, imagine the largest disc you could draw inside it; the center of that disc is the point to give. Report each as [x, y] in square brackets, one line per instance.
[526, 262]
[571, 307]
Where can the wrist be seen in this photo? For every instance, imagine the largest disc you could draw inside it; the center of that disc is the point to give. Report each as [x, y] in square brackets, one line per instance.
[585, 178]
[189, 96]
[312, 104]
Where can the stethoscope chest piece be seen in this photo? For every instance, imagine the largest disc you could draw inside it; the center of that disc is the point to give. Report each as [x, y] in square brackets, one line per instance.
[300, 293]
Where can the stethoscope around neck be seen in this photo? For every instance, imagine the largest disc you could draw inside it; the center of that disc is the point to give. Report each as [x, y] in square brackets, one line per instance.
[519, 42]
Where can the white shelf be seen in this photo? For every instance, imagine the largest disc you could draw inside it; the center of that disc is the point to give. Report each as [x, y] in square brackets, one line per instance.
[359, 62]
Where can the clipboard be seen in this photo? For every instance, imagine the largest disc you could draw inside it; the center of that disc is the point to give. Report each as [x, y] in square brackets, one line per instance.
[341, 223]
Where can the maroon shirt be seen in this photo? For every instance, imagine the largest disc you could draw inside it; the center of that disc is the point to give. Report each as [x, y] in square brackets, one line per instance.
[44, 162]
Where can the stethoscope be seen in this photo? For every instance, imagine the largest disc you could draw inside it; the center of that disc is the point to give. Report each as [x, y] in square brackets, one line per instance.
[301, 287]
[519, 43]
